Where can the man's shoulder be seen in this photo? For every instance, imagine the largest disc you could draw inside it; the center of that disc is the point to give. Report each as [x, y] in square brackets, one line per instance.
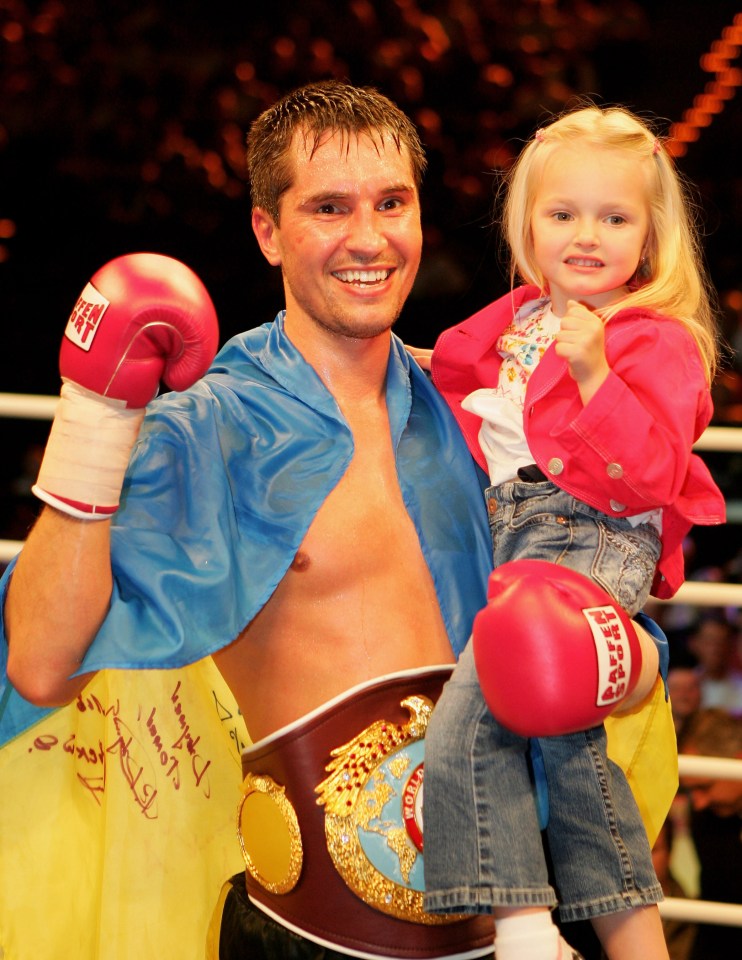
[242, 352]
[237, 365]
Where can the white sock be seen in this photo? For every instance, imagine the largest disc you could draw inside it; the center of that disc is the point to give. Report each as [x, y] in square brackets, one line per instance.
[529, 936]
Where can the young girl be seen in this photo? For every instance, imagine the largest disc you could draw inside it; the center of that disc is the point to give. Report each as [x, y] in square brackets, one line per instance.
[581, 393]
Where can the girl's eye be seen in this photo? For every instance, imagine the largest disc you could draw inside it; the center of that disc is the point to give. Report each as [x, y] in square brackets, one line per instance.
[561, 215]
[616, 219]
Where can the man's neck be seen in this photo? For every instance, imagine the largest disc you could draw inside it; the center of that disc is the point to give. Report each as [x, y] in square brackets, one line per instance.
[352, 369]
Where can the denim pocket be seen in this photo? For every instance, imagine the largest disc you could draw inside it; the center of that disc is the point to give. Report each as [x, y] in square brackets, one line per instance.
[530, 526]
[625, 562]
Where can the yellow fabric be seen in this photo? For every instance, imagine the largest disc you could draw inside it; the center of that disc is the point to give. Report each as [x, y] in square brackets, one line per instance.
[644, 745]
[212, 936]
[118, 819]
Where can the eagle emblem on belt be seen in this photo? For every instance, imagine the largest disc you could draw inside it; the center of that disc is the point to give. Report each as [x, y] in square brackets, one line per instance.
[373, 813]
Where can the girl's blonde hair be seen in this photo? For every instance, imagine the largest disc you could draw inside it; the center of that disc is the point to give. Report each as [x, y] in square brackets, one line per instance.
[672, 280]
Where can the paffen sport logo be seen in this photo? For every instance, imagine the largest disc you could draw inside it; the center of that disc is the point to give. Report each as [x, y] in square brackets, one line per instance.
[86, 317]
[613, 651]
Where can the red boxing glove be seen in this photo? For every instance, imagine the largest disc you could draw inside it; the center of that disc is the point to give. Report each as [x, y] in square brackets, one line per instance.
[142, 318]
[554, 653]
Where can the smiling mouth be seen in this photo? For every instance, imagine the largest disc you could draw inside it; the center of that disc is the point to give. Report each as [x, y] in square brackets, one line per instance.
[583, 262]
[362, 278]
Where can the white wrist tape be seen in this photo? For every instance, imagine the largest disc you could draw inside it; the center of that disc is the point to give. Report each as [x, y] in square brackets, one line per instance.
[87, 453]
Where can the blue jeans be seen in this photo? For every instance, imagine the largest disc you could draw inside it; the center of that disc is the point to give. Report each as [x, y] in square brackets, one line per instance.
[483, 846]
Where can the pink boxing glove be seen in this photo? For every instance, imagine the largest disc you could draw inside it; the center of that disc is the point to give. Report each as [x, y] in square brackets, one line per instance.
[142, 318]
[554, 653]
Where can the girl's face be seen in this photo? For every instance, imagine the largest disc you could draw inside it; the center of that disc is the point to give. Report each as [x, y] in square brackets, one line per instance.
[589, 224]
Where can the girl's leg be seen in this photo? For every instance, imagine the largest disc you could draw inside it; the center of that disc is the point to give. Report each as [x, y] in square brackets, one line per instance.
[483, 844]
[632, 933]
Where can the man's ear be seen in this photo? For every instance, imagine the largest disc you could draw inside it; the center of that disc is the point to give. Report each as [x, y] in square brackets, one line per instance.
[265, 231]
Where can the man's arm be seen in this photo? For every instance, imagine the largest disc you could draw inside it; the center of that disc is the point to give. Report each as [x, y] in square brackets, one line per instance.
[142, 318]
[57, 599]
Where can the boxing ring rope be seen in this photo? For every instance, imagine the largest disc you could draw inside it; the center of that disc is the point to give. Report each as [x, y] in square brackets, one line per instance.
[27, 406]
[701, 911]
[694, 593]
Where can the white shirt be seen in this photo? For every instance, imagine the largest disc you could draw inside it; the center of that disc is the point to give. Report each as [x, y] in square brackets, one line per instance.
[502, 436]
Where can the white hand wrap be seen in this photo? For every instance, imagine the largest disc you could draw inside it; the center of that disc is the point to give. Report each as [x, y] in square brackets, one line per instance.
[87, 453]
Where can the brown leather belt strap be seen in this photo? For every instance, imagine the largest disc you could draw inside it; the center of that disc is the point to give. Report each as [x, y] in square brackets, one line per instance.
[308, 894]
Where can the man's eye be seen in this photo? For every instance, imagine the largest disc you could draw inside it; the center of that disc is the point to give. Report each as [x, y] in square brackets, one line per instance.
[391, 203]
[327, 208]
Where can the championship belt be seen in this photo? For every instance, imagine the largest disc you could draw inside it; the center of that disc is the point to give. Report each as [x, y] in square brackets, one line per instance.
[331, 830]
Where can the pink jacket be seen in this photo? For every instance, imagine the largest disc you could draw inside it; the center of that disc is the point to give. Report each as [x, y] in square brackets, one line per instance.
[629, 449]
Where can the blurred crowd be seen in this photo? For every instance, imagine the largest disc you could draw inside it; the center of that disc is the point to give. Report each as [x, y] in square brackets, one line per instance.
[123, 127]
[699, 851]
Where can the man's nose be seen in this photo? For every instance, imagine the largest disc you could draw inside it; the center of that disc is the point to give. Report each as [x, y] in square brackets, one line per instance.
[365, 235]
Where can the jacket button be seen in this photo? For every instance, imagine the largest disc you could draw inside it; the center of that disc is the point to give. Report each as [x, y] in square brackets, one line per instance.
[616, 506]
[555, 466]
[614, 471]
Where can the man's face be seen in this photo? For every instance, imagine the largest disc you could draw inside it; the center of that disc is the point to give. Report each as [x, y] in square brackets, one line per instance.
[349, 239]
[712, 644]
[722, 797]
[684, 687]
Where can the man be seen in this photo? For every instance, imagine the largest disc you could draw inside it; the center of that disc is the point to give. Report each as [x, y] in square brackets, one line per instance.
[712, 644]
[716, 825]
[684, 687]
[307, 513]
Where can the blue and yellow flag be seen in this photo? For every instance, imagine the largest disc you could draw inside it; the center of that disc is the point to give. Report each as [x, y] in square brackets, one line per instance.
[118, 819]
[643, 743]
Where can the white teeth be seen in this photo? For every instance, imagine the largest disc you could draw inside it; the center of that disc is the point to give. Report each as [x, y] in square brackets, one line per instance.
[361, 276]
[584, 262]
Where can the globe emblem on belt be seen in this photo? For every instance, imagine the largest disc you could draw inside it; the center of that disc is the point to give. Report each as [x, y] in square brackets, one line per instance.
[388, 822]
[373, 814]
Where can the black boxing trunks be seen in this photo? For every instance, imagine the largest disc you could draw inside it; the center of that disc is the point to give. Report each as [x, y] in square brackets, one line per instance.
[331, 829]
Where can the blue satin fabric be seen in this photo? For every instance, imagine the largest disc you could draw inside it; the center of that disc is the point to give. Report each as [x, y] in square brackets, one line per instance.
[223, 484]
